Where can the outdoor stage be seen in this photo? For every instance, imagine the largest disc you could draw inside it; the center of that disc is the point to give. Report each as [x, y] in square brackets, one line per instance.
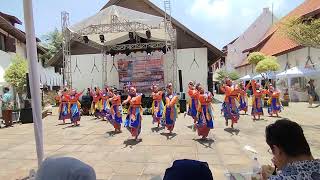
[115, 157]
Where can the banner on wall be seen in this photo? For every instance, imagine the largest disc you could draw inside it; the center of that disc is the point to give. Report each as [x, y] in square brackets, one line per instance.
[142, 71]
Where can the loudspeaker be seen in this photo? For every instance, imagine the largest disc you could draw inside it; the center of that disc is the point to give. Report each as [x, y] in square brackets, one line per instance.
[183, 105]
[26, 116]
[180, 81]
[28, 86]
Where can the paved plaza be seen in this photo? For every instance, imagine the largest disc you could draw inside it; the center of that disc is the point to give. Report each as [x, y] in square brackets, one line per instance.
[115, 157]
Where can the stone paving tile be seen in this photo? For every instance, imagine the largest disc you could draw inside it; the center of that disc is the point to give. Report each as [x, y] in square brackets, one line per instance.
[118, 157]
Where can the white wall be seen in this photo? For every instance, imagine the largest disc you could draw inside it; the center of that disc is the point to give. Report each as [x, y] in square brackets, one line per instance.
[84, 78]
[255, 32]
[184, 58]
[193, 73]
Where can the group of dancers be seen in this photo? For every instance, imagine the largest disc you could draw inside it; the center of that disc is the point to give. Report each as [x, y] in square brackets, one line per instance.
[107, 105]
[236, 100]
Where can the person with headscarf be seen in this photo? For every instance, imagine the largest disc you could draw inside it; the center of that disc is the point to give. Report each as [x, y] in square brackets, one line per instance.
[7, 107]
[230, 106]
[205, 113]
[157, 104]
[64, 106]
[274, 101]
[65, 168]
[193, 102]
[257, 102]
[115, 117]
[74, 107]
[134, 117]
[243, 97]
[170, 109]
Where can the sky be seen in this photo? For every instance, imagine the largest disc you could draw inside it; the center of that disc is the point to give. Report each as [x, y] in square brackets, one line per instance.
[217, 21]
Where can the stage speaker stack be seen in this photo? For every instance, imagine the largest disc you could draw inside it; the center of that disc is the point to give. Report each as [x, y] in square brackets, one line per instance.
[28, 86]
[182, 101]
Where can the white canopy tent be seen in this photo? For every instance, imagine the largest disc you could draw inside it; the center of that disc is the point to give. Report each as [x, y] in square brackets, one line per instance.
[123, 14]
[246, 78]
[269, 75]
[297, 72]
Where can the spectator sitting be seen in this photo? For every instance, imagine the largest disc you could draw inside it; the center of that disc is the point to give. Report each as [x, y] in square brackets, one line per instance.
[188, 170]
[65, 168]
[291, 152]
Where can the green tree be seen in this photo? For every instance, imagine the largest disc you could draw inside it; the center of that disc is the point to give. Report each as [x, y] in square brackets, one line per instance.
[255, 57]
[15, 74]
[268, 64]
[304, 31]
[222, 74]
[52, 41]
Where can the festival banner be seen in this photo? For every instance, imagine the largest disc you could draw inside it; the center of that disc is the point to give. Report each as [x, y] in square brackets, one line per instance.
[142, 72]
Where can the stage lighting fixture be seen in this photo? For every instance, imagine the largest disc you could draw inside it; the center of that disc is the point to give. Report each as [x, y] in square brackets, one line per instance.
[101, 38]
[149, 50]
[164, 50]
[85, 39]
[112, 53]
[148, 34]
[131, 35]
[128, 52]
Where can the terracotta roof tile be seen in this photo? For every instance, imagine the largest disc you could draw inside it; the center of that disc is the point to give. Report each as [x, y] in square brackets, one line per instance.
[275, 42]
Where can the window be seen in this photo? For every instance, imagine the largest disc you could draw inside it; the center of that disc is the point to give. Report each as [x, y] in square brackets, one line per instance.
[2, 42]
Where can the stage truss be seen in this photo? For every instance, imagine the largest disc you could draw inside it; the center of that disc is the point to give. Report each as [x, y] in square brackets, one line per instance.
[118, 26]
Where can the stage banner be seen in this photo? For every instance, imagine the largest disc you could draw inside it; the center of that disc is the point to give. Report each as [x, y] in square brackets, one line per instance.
[142, 71]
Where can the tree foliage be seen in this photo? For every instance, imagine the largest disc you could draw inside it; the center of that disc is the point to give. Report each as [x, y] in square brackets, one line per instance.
[222, 74]
[15, 74]
[255, 57]
[52, 41]
[268, 64]
[304, 31]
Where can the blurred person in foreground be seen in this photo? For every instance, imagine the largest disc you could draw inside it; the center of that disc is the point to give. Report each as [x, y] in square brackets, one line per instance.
[65, 168]
[291, 153]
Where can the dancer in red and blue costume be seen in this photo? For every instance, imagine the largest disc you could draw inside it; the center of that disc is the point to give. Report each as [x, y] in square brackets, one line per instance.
[205, 113]
[274, 102]
[257, 103]
[74, 107]
[157, 104]
[64, 106]
[115, 111]
[243, 97]
[170, 110]
[193, 102]
[134, 117]
[230, 105]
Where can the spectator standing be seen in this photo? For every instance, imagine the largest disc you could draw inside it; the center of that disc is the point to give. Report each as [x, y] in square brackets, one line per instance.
[7, 107]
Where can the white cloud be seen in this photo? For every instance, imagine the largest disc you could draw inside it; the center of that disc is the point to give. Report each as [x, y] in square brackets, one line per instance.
[211, 9]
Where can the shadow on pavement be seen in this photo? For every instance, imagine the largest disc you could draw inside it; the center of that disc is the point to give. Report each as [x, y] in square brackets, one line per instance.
[131, 142]
[157, 129]
[232, 131]
[205, 142]
[169, 136]
[112, 133]
[156, 178]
